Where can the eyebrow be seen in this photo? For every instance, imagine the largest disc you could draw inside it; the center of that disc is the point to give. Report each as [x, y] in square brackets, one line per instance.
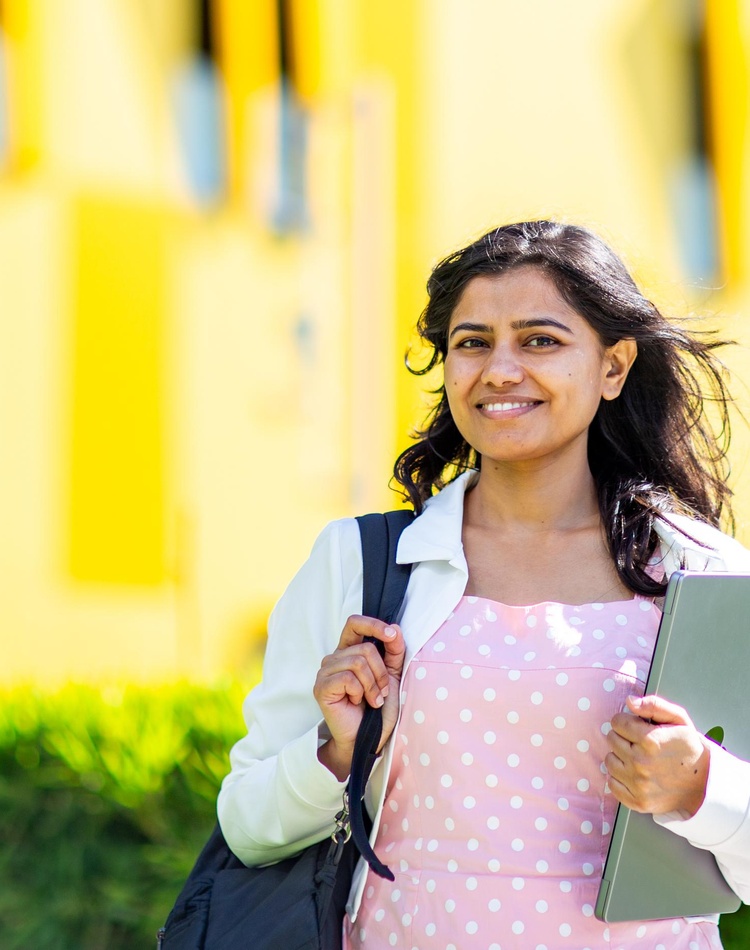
[516, 325]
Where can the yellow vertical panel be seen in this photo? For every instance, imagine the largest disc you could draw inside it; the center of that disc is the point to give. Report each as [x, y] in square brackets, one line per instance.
[248, 55]
[305, 27]
[117, 472]
[728, 104]
[23, 28]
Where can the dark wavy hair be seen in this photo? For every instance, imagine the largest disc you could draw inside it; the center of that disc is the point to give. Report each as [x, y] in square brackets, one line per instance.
[652, 450]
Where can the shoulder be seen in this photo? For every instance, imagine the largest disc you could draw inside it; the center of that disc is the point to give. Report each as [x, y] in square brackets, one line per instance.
[701, 546]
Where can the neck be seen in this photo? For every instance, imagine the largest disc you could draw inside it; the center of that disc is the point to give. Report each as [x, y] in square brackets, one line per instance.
[542, 497]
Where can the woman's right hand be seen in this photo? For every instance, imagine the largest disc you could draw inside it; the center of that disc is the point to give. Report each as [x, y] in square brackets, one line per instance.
[353, 674]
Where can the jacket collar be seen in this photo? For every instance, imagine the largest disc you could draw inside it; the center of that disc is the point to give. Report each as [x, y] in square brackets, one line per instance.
[436, 534]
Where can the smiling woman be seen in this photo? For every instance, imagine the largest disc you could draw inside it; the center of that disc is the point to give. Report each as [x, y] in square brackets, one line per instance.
[567, 471]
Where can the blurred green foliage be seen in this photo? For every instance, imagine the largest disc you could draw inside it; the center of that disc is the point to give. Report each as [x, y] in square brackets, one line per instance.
[106, 797]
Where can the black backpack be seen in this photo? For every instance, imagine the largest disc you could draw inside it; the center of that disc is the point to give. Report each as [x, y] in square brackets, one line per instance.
[298, 903]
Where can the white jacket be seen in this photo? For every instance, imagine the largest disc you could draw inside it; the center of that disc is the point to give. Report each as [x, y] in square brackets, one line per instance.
[278, 798]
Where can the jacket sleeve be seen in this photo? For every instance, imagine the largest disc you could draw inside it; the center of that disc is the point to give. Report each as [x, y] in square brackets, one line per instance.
[278, 798]
[722, 823]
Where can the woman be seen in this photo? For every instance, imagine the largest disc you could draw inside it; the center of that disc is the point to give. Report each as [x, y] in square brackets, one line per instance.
[574, 470]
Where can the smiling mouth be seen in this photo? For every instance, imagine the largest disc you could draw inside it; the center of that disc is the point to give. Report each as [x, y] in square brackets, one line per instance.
[506, 406]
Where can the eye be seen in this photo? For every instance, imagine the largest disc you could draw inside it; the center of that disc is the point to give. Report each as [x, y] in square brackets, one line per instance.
[470, 343]
[541, 342]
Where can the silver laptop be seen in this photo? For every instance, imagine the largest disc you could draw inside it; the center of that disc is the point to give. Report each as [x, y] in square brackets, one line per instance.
[701, 661]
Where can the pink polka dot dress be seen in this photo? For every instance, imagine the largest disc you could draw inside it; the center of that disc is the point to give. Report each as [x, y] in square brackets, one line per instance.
[498, 814]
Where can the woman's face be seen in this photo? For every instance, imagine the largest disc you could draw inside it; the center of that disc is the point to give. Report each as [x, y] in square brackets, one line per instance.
[524, 372]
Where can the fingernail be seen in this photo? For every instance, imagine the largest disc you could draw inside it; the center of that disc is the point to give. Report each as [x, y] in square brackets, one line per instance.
[390, 632]
[384, 691]
[635, 701]
[379, 701]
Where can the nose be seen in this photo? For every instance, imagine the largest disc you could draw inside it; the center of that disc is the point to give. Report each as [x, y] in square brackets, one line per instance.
[502, 367]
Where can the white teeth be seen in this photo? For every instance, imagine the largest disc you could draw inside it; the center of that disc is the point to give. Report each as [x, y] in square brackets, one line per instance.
[504, 406]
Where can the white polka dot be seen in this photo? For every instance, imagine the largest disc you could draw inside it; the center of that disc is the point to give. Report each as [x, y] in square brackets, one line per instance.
[513, 760]
[429, 801]
[529, 656]
[419, 716]
[452, 866]
[621, 652]
[537, 782]
[494, 865]
[605, 827]
[588, 869]
[565, 930]
[379, 915]
[559, 762]
[517, 844]
[540, 824]
[608, 685]
[446, 781]
[393, 805]
[531, 620]
[393, 938]
[450, 906]
[430, 886]
[424, 759]
[561, 679]
[469, 801]
[489, 694]
[606, 728]
[676, 928]
[584, 703]
[641, 932]
[489, 737]
[542, 907]
[406, 920]
[510, 640]
[494, 905]
[518, 883]
[621, 619]
[491, 781]
[586, 827]
[472, 844]
[432, 844]
[362, 934]
[471, 927]
[467, 758]
[542, 866]
[564, 847]
[597, 634]
[582, 745]
[418, 844]
[536, 740]
[466, 672]
[483, 650]
[465, 631]
[443, 738]
[471, 883]
[405, 760]
[574, 651]
[516, 802]
[559, 722]
[566, 887]
[441, 693]
[512, 717]
[493, 822]
[536, 698]
[404, 827]
[369, 892]
[517, 927]
[563, 804]
[514, 675]
[465, 715]
[490, 615]
[582, 785]
[430, 929]
[450, 824]
[438, 647]
[420, 672]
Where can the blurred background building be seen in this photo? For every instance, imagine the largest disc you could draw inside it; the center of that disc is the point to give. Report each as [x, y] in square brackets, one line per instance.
[216, 221]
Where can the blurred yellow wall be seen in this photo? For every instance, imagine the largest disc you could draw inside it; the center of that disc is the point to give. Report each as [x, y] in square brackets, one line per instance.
[216, 221]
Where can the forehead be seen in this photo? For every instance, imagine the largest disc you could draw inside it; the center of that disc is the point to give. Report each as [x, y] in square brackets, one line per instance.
[521, 292]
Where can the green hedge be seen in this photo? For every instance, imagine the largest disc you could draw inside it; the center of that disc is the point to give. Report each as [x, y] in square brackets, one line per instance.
[106, 797]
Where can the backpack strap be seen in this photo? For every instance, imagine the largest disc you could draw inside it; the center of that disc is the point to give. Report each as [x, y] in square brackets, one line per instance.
[383, 588]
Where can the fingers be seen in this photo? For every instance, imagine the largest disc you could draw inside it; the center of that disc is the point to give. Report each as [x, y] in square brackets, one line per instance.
[658, 710]
[356, 671]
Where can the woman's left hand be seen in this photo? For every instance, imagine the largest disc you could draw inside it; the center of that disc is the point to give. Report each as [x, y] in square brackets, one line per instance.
[657, 766]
